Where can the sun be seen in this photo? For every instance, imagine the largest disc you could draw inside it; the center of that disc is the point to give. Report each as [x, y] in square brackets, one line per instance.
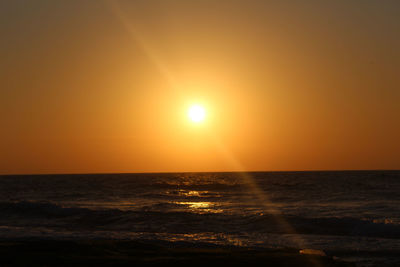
[197, 113]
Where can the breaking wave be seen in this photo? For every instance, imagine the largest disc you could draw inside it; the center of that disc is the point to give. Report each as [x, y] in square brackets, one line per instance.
[51, 215]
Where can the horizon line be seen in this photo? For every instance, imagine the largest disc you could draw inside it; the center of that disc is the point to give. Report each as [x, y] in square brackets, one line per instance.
[172, 172]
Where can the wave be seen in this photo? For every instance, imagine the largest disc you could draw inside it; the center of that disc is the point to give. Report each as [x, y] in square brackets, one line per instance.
[51, 215]
[199, 185]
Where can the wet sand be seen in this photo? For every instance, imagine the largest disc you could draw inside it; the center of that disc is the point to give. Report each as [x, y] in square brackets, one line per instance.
[133, 253]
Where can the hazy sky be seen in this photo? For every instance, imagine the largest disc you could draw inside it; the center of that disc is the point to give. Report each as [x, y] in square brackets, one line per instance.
[104, 86]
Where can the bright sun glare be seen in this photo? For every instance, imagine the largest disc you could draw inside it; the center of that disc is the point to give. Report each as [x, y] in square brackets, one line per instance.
[196, 113]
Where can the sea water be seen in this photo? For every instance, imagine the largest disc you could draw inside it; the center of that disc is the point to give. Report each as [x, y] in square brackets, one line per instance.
[352, 215]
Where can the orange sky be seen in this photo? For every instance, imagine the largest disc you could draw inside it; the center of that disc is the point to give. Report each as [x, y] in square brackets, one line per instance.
[104, 86]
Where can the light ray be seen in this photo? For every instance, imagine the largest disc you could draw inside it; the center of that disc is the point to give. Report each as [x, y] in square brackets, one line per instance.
[150, 52]
[140, 40]
[261, 196]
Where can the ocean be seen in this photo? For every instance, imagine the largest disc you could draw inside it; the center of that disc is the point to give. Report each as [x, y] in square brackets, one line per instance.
[351, 215]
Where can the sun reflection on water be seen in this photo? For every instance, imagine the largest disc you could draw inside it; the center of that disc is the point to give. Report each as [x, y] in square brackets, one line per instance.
[200, 207]
[190, 193]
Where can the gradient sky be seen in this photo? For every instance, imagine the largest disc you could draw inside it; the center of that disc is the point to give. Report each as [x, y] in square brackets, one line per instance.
[104, 86]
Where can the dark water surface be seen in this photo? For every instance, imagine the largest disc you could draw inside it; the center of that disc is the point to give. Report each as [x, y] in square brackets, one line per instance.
[354, 215]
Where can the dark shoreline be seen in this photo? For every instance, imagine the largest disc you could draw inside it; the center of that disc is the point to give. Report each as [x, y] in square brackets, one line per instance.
[20, 252]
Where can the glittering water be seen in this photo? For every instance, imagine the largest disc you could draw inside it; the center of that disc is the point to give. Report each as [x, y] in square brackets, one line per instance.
[354, 215]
